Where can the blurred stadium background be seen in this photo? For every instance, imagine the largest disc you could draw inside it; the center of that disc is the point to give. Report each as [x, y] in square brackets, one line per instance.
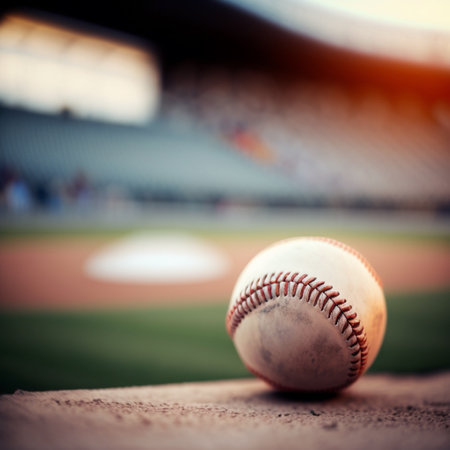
[147, 154]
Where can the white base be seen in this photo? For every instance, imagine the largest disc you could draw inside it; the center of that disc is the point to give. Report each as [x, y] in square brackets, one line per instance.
[158, 258]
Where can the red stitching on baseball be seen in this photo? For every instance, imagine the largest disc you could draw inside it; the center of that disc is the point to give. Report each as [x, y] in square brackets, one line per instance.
[269, 288]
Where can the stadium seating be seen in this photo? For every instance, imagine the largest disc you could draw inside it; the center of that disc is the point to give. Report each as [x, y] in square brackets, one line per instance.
[344, 144]
[157, 161]
[240, 136]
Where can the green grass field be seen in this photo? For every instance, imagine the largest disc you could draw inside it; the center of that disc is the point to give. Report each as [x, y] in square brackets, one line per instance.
[67, 350]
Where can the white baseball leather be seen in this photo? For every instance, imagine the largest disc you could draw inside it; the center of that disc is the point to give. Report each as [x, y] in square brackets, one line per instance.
[307, 314]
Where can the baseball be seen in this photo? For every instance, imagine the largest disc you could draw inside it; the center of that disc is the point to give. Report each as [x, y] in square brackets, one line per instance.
[307, 314]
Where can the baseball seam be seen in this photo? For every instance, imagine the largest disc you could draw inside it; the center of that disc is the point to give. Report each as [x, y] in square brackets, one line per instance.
[315, 293]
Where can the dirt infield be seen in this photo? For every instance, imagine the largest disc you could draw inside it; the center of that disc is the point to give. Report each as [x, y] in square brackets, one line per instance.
[49, 272]
[377, 412]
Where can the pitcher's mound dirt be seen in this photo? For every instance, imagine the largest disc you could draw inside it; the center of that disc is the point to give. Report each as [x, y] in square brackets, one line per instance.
[377, 412]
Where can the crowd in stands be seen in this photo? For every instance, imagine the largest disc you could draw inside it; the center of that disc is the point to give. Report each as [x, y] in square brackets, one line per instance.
[340, 143]
[20, 195]
[222, 134]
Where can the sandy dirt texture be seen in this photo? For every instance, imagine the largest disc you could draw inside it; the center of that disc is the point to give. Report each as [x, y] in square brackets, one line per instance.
[379, 411]
[49, 273]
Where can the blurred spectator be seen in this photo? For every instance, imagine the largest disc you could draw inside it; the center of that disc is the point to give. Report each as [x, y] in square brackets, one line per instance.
[80, 190]
[15, 191]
